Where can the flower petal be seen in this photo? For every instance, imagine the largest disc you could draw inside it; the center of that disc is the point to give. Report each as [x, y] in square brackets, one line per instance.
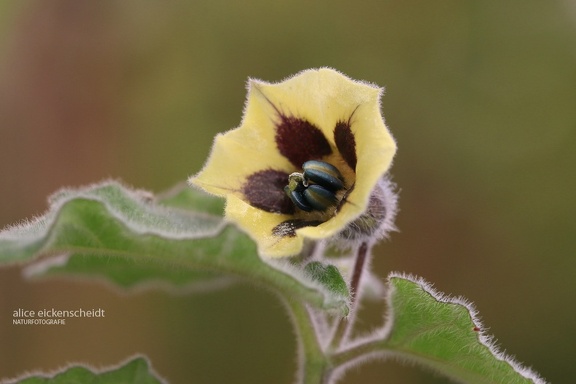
[299, 141]
[259, 224]
[346, 143]
[375, 149]
[323, 97]
[265, 190]
[238, 154]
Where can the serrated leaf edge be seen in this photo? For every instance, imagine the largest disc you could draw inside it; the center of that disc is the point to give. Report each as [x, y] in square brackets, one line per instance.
[145, 199]
[51, 374]
[485, 339]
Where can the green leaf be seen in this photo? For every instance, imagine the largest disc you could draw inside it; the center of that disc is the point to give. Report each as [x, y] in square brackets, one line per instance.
[135, 371]
[129, 237]
[329, 276]
[444, 333]
[371, 285]
[128, 273]
[182, 196]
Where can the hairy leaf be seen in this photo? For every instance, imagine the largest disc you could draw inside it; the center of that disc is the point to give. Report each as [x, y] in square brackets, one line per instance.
[445, 334]
[329, 276]
[130, 238]
[135, 371]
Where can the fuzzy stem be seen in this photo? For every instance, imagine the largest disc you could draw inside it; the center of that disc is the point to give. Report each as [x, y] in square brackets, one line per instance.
[313, 363]
[344, 325]
[360, 350]
[361, 256]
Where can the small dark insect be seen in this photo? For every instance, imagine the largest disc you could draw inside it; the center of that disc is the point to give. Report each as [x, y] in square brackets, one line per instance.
[315, 189]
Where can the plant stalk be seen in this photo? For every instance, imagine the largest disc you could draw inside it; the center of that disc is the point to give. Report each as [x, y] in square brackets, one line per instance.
[313, 363]
[344, 325]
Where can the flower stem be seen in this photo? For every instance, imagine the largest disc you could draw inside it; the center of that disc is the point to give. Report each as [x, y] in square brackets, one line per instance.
[361, 256]
[313, 363]
[344, 325]
[360, 350]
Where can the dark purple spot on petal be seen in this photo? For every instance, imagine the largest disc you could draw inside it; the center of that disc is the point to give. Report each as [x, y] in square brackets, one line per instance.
[265, 190]
[299, 140]
[288, 228]
[346, 143]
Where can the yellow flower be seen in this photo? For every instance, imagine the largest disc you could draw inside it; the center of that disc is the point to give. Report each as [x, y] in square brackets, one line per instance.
[319, 114]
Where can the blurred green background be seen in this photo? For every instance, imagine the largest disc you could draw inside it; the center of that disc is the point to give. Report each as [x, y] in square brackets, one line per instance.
[481, 97]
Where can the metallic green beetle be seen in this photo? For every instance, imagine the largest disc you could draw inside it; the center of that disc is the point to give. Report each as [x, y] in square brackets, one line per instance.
[315, 189]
